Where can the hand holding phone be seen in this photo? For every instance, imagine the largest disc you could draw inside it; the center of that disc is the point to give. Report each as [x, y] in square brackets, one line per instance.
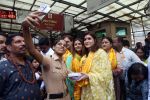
[45, 9]
[33, 20]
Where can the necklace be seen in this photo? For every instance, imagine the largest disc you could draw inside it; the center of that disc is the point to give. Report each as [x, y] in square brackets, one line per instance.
[33, 80]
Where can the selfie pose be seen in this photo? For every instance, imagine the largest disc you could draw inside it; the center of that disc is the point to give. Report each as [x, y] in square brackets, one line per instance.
[54, 70]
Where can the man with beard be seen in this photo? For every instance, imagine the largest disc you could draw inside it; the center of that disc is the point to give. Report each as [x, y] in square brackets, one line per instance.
[17, 80]
[2, 46]
[125, 59]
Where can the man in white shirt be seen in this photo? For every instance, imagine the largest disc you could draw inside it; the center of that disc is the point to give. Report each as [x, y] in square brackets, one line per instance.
[126, 59]
[46, 50]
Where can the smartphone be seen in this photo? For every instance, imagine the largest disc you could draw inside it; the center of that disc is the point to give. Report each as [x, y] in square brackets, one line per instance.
[45, 8]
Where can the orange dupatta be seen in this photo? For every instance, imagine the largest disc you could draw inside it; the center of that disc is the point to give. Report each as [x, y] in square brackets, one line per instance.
[85, 65]
[113, 58]
[76, 63]
[76, 68]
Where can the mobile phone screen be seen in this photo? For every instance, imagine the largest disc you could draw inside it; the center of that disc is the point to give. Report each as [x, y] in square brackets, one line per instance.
[45, 8]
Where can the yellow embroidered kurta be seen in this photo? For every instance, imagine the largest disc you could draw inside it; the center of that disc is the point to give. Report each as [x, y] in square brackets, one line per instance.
[100, 86]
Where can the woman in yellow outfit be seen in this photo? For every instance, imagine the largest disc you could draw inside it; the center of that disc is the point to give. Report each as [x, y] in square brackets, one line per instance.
[67, 57]
[117, 71]
[96, 80]
[77, 55]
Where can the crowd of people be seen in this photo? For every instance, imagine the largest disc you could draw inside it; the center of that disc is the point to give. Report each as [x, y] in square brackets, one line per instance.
[108, 71]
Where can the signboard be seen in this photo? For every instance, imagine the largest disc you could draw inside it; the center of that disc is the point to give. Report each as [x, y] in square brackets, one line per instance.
[93, 5]
[21, 14]
[68, 23]
[7, 14]
[53, 22]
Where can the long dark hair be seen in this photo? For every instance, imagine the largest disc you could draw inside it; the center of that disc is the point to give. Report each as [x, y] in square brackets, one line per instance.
[57, 40]
[67, 36]
[142, 48]
[95, 47]
[108, 38]
[82, 51]
[135, 69]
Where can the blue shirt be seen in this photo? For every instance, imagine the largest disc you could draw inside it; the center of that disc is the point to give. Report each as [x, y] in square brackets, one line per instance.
[138, 91]
[13, 87]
